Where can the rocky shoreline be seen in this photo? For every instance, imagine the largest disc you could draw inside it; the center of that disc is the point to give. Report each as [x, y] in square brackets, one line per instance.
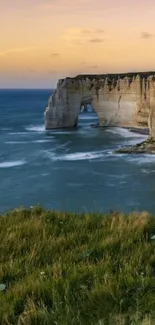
[147, 147]
[140, 130]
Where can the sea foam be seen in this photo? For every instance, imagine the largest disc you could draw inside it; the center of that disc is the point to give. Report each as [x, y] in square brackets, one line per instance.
[9, 164]
[125, 132]
[36, 128]
[76, 156]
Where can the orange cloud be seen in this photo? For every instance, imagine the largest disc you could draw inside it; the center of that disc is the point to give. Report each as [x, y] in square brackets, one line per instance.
[146, 35]
[82, 35]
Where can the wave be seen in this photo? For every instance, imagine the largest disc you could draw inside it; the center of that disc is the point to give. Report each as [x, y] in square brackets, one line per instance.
[16, 142]
[27, 142]
[130, 138]
[36, 128]
[123, 176]
[17, 133]
[87, 118]
[64, 145]
[133, 142]
[61, 132]
[8, 164]
[45, 174]
[102, 155]
[76, 156]
[41, 141]
[145, 171]
[41, 128]
[141, 159]
[125, 133]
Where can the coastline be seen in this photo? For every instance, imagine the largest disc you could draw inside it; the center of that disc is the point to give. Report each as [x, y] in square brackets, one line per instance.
[145, 147]
[140, 130]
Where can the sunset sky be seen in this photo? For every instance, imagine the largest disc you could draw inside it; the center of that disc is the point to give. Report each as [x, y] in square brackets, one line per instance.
[43, 40]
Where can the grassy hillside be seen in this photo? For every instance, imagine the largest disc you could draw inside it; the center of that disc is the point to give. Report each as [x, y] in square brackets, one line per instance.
[69, 269]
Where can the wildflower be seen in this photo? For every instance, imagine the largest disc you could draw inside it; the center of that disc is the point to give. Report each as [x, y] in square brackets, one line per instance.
[2, 287]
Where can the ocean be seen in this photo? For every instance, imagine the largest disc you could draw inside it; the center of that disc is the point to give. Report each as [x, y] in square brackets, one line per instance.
[70, 170]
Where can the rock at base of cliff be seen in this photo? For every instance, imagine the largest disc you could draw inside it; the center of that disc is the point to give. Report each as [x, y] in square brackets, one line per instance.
[147, 146]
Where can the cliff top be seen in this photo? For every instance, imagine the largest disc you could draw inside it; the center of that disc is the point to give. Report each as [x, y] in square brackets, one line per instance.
[113, 75]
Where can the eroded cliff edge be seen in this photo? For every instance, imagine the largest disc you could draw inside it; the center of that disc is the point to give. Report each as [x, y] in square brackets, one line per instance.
[126, 100]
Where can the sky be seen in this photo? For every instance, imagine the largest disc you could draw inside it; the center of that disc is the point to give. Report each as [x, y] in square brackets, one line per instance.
[44, 40]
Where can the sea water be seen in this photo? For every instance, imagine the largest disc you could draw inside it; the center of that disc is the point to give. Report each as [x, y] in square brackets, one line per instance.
[70, 170]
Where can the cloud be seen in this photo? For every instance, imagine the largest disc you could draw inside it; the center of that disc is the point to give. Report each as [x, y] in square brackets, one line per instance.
[54, 55]
[32, 71]
[93, 66]
[96, 40]
[92, 31]
[146, 35]
[99, 31]
[17, 50]
[82, 35]
[86, 31]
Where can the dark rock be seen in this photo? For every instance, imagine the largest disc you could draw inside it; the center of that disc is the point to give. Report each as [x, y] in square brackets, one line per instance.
[147, 146]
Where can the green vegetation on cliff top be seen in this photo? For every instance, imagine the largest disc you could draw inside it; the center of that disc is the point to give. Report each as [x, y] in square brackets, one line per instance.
[68, 269]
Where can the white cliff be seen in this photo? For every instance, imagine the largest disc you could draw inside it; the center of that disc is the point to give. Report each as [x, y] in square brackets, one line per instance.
[119, 100]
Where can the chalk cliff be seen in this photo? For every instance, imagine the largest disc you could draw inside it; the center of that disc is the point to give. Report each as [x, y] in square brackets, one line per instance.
[118, 99]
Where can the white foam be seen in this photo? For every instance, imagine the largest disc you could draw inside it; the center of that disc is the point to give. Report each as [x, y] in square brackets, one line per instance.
[61, 132]
[130, 138]
[123, 176]
[76, 156]
[133, 142]
[64, 145]
[141, 159]
[126, 133]
[8, 164]
[137, 158]
[87, 117]
[82, 156]
[15, 142]
[41, 141]
[36, 128]
[26, 142]
[111, 153]
[146, 171]
[46, 174]
[17, 133]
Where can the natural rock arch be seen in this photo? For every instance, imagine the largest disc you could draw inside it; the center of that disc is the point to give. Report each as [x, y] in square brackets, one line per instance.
[65, 103]
[119, 100]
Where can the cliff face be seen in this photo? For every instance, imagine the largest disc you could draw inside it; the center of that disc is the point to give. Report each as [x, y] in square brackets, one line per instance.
[119, 100]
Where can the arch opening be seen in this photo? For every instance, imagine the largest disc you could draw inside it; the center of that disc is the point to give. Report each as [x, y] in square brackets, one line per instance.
[87, 114]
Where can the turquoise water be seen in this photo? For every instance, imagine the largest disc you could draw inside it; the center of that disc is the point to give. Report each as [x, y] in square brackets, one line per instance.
[73, 170]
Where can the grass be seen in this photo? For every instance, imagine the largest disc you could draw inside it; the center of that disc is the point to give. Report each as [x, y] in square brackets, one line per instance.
[68, 269]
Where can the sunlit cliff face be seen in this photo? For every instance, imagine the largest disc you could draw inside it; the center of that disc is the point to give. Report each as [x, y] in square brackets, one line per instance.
[43, 40]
